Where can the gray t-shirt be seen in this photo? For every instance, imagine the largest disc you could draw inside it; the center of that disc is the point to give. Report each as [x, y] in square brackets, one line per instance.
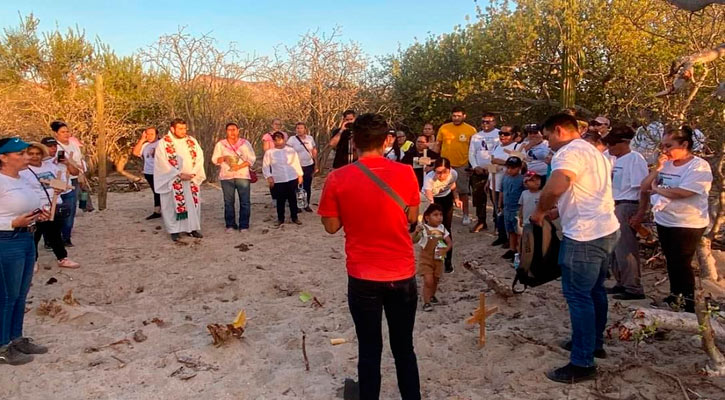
[528, 202]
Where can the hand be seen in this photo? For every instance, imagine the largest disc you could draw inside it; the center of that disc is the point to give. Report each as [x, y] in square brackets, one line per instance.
[654, 188]
[636, 220]
[458, 203]
[270, 181]
[661, 160]
[478, 170]
[552, 214]
[538, 217]
[44, 215]
[236, 167]
[24, 220]
[186, 177]
[299, 180]
[418, 229]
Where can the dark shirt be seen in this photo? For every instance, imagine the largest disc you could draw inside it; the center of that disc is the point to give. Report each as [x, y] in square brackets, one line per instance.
[408, 158]
[343, 149]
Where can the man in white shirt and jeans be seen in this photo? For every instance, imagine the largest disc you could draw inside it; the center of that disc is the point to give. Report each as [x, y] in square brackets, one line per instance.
[630, 168]
[479, 156]
[580, 187]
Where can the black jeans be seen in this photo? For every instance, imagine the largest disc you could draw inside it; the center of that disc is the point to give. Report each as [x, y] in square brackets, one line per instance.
[51, 231]
[157, 197]
[285, 192]
[399, 299]
[479, 186]
[447, 203]
[498, 218]
[679, 246]
[308, 172]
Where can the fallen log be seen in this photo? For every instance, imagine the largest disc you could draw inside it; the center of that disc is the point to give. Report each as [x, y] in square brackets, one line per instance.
[676, 321]
[493, 283]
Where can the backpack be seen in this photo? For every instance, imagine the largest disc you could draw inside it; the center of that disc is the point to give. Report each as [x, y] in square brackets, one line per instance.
[539, 256]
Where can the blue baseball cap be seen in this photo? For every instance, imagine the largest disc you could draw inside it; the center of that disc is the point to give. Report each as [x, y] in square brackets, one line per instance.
[12, 145]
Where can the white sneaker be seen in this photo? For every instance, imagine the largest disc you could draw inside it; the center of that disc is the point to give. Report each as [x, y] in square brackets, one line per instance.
[68, 263]
[466, 220]
[229, 230]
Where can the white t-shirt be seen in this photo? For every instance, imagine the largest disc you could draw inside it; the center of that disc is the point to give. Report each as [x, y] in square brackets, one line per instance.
[438, 187]
[304, 151]
[536, 156]
[241, 150]
[48, 170]
[148, 151]
[587, 207]
[479, 150]
[281, 164]
[528, 202]
[16, 198]
[690, 212]
[627, 174]
[434, 231]
[76, 157]
[500, 152]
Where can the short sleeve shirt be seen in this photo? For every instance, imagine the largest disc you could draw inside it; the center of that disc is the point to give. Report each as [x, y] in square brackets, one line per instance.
[628, 172]
[148, 151]
[587, 207]
[690, 212]
[377, 243]
[513, 186]
[455, 140]
[528, 201]
[438, 187]
[304, 148]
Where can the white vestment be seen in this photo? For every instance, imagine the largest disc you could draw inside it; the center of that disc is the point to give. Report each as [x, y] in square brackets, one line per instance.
[165, 174]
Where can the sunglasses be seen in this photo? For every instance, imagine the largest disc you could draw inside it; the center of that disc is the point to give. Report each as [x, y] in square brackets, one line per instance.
[505, 133]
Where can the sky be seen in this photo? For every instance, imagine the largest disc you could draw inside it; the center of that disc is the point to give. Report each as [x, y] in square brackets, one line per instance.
[256, 27]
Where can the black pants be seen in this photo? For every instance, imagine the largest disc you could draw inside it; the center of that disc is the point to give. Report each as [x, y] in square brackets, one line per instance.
[285, 192]
[157, 197]
[53, 238]
[498, 218]
[679, 246]
[307, 174]
[446, 202]
[399, 299]
[479, 186]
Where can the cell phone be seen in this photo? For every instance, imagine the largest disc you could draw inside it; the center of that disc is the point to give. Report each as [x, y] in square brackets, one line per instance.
[61, 155]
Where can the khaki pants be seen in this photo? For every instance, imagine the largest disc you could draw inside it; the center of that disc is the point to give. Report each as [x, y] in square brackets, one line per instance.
[626, 265]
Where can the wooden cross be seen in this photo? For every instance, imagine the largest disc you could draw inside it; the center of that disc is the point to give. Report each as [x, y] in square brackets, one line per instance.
[59, 185]
[479, 316]
[514, 153]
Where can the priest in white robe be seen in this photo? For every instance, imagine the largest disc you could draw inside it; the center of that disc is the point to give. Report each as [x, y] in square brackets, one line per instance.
[178, 174]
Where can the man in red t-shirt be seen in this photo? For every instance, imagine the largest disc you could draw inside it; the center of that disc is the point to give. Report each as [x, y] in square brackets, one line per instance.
[380, 257]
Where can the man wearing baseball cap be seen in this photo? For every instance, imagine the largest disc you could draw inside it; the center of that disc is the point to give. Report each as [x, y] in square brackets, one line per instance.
[601, 124]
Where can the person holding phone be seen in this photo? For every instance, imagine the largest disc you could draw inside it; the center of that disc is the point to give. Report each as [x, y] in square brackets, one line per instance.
[69, 152]
[20, 210]
[341, 141]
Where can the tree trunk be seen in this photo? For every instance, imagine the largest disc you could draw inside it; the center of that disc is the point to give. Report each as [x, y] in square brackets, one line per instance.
[716, 366]
[568, 78]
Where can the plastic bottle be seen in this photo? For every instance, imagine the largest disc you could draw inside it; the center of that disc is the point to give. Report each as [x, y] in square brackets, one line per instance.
[83, 200]
[301, 198]
[517, 260]
[437, 252]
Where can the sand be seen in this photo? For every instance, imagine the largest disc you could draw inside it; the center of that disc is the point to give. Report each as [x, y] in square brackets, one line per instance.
[132, 273]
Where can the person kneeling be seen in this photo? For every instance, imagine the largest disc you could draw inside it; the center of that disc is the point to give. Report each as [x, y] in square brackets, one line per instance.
[434, 241]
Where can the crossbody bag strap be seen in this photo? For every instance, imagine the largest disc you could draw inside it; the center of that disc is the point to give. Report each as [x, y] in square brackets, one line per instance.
[382, 185]
[303, 145]
[41, 185]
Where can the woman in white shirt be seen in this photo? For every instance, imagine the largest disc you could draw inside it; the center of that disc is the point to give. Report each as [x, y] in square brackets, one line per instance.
[69, 149]
[234, 156]
[37, 175]
[145, 148]
[679, 187]
[536, 149]
[306, 149]
[439, 187]
[19, 212]
[281, 167]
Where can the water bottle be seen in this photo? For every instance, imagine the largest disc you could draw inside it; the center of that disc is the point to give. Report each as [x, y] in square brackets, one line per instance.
[517, 261]
[437, 255]
[83, 200]
[301, 198]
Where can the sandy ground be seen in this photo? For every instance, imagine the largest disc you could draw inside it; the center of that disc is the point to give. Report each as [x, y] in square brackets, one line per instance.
[132, 273]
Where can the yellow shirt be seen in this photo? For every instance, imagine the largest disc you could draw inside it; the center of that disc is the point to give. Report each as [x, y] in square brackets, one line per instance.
[454, 141]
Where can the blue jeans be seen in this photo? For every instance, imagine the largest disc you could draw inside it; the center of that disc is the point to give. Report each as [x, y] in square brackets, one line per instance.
[583, 271]
[367, 301]
[70, 200]
[16, 271]
[241, 187]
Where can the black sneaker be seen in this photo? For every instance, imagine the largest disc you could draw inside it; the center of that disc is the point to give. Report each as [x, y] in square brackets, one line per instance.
[598, 353]
[427, 307]
[615, 290]
[196, 234]
[509, 255]
[572, 374]
[629, 296]
[433, 299]
[26, 346]
[11, 356]
[498, 242]
[153, 216]
[448, 269]
[67, 243]
[175, 237]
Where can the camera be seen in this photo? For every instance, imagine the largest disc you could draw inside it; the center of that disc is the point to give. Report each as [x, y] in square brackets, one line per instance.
[61, 155]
